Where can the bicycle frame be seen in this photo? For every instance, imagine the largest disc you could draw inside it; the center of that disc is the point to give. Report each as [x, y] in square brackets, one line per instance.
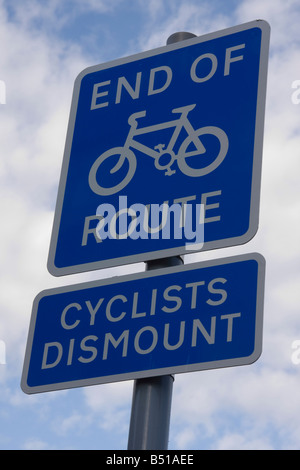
[193, 136]
[181, 122]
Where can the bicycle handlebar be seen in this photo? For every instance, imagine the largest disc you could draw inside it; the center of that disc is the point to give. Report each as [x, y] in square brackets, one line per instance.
[132, 119]
[184, 109]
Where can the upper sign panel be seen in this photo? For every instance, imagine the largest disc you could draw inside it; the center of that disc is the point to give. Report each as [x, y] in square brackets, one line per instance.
[163, 153]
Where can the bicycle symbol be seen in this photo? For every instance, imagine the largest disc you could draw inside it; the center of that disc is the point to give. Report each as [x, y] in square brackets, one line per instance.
[163, 157]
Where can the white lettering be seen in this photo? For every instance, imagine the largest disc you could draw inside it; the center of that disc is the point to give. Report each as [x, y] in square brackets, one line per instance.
[165, 68]
[183, 201]
[96, 95]
[174, 298]
[70, 353]
[134, 307]
[68, 326]
[91, 349]
[194, 286]
[207, 207]
[229, 59]
[214, 64]
[137, 347]
[153, 301]
[134, 93]
[210, 337]
[87, 230]
[212, 290]
[59, 348]
[109, 338]
[160, 78]
[108, 308]
[166, 337]
[230, 318]
[92, 310]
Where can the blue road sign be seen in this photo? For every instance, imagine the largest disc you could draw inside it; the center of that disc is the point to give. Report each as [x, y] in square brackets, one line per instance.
[163, 153]
[181, 319]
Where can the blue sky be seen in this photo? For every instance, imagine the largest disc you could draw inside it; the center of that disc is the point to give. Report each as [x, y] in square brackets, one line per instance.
[44, 45]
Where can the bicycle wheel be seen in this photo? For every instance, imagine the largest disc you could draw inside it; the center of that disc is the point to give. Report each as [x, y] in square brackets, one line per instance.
[183, 154]
[123, 156]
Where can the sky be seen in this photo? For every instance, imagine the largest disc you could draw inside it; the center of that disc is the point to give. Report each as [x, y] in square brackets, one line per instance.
[45, 44]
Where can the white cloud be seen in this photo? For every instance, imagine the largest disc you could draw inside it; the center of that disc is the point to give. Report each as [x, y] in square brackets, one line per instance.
[236, 441]
[39, 78]
[171, 17]
[288, 296]
[282, 16]
[112, 403]
[221, 405]
[66, 425]
[54, 14]
[35, 444]
[184, 438]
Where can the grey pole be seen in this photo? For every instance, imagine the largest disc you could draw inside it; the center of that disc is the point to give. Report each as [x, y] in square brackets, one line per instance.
[152, 397]
[150, 415]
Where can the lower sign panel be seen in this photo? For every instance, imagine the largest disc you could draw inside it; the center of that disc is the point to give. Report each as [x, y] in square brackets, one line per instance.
[182, 319]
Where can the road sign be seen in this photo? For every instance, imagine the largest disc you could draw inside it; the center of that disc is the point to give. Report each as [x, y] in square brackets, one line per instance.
[161, 146]
[180, 319]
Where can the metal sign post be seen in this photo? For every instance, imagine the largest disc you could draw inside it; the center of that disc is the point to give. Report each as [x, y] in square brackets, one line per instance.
[152, 397]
